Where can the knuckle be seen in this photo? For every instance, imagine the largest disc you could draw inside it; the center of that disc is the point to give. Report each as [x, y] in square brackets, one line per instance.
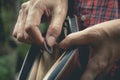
[26, 11]
[23, 5]
[20, 11]
[97, 64]
[69, 39]
[92, 64]
[61, 11]
[28, 27]
[39, 7]
[20, 37]
[26, 38]
[94, 34]
[55, 30]
[102, 65]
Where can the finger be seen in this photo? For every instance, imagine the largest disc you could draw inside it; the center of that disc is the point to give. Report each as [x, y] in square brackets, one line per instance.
[55, 26]
[21, 27]
[17, 24]
[33, 21]
[27, 38]
[85, 37]
[97, 64]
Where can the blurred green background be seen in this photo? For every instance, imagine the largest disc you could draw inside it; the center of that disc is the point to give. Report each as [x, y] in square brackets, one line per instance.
[11, 52]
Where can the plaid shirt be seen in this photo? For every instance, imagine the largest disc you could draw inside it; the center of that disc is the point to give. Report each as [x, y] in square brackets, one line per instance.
[91, 12]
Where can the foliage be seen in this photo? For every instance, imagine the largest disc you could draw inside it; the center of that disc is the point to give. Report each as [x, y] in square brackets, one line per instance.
[7, 66]
[8, 61]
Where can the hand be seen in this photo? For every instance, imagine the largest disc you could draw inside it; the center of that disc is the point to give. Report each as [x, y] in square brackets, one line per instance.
[104, 40]
[30, 15]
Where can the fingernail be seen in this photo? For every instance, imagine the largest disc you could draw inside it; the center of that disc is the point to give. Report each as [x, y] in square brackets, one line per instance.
[51, 41]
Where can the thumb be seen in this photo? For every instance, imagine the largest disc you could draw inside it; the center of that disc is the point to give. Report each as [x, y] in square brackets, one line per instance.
[55, 26]
[85, 37]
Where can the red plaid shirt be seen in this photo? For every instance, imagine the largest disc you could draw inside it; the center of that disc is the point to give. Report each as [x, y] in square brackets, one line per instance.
[91, 12]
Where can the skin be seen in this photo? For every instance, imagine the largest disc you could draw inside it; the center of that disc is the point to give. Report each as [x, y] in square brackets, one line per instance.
[103, 38]
[27, 26]
[26, 30]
